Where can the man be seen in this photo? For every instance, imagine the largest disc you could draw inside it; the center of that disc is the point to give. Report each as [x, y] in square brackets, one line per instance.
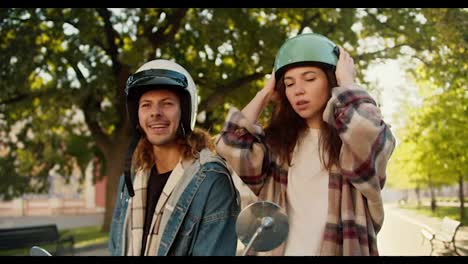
[179, 198]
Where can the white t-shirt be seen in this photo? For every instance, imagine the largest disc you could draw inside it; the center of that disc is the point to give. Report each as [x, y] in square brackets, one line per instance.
[307, 198]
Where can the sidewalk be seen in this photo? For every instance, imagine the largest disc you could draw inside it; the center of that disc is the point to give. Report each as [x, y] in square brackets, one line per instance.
[433, 223]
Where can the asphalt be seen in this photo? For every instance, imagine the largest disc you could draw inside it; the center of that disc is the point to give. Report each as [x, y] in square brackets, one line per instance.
[432, 224]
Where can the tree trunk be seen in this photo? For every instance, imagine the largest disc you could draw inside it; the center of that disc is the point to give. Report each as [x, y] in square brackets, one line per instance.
[461, 197]
[418, 196]
[114, 169]
[433, 200]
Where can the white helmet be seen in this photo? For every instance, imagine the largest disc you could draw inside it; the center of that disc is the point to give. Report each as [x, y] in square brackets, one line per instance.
[163, 74]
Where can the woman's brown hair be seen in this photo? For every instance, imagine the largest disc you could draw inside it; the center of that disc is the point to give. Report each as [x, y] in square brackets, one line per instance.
[286, 127]
[143, 156]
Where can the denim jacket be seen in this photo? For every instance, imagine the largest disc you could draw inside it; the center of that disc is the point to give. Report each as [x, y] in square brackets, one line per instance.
[202, 221]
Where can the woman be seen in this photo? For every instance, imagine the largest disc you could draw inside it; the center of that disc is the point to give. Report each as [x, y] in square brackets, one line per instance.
[322, 156]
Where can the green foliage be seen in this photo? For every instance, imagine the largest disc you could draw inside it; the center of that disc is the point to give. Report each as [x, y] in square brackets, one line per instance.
[434, 140]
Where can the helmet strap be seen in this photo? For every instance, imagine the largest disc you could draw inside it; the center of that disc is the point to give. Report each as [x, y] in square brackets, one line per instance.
[182, 130]
[128, 163]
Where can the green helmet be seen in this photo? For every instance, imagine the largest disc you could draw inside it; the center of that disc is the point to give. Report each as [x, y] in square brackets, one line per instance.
[305, 48]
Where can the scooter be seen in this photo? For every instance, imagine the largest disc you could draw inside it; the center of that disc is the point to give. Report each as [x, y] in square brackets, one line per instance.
[262, 226]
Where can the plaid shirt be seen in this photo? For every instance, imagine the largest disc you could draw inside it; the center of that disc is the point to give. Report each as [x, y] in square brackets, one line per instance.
[355, 209]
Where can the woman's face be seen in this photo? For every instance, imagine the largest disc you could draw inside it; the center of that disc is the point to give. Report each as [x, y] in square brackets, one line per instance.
[307, 91]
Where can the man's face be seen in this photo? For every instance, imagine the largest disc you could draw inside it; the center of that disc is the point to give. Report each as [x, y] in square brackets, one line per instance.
[159, 116]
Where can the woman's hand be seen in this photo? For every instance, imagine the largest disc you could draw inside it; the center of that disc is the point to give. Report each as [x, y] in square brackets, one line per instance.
[263, 97]
[269, 92]
[345, 70]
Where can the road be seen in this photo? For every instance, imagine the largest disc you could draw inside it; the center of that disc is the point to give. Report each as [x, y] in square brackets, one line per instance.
[401, 235]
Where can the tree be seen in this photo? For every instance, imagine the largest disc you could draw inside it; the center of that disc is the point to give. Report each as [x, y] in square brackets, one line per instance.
[434, 139]
[64, 75]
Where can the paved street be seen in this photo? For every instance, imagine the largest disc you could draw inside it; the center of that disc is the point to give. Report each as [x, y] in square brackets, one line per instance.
[401, 235]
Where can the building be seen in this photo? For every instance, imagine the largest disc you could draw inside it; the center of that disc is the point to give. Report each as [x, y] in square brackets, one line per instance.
[72, 197]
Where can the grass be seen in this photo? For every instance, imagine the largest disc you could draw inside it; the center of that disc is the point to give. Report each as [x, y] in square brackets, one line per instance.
[84, 236]
[453, 199]
[441, 212]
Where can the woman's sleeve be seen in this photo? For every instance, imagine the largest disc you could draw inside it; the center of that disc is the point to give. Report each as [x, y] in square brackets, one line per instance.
[367, 141]
[241, 144]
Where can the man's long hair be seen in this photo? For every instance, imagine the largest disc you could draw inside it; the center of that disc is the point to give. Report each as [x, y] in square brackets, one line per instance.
[286, 127]
[143, 157]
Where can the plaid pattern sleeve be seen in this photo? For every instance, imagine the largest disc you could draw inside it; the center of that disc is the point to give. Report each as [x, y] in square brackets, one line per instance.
[240, 143]
[367, 144]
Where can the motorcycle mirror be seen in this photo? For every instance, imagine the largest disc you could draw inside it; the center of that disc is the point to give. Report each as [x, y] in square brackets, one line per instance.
[38, 252]
[262, 226]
